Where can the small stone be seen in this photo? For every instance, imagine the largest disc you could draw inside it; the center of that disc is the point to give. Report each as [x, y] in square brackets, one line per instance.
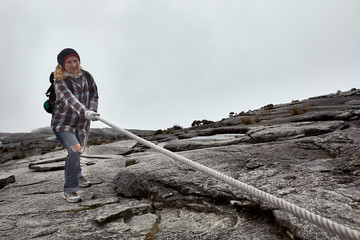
[167, 195]
[130, 162]
[253, 165]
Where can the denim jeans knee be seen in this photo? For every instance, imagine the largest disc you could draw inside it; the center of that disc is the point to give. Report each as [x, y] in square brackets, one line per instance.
[67, 139]
[72, 162]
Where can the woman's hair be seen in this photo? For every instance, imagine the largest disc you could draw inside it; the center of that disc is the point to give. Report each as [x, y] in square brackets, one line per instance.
[59, 72]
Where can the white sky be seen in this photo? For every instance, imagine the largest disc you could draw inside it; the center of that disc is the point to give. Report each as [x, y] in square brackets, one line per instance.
[158, 63]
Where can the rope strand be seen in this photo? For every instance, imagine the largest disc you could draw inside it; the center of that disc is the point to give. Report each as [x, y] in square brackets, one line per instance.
[322, 222]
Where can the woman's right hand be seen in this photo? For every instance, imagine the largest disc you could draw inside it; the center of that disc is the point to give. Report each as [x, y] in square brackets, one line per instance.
[91, 115]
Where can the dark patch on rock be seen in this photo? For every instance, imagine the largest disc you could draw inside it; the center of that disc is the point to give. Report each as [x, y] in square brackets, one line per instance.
[6, 180]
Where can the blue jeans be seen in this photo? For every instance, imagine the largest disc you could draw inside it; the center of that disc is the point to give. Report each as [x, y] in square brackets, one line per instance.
[72, 162]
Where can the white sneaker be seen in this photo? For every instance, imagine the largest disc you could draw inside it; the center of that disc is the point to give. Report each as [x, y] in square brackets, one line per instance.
[72, 197]
[83, 182]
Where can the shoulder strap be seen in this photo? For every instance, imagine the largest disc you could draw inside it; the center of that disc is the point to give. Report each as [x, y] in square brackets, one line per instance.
[87, 76]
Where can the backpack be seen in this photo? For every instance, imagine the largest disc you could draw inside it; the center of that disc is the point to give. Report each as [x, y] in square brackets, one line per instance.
[50, 93]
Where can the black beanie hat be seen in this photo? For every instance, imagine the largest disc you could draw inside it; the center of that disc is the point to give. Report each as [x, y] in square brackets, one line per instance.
[64, 54]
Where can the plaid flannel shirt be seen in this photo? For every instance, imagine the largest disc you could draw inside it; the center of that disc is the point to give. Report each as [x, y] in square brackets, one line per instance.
[74, 95]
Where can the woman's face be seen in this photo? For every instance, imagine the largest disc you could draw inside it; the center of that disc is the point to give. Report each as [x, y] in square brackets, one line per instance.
[72, 65]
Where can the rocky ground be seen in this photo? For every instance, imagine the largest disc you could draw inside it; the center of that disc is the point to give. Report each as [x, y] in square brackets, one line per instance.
[305, 152]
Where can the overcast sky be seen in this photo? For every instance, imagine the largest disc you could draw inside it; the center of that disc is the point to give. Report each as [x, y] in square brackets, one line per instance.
[158, 63]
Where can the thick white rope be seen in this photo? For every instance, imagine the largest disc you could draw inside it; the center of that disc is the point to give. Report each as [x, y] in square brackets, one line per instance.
[322, 222]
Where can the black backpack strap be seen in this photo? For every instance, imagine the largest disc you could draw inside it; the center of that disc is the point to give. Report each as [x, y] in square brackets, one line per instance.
[51, 78]
[49, 91]
[69, 85]
[87, 76]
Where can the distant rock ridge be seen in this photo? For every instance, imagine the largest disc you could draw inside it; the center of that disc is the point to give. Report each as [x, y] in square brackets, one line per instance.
[306, 152]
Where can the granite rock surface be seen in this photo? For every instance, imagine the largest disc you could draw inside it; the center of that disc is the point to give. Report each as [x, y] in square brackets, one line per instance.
[305, 152]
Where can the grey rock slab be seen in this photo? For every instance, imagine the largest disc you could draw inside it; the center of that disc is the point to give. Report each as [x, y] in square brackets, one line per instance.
[187, 224]
[191, 144]
[223, 130]
[53, 163]
[301, 231]
[117, 148]
[323, 116]
[51, 159]
[142, 223]
[47, 167]
[353, 102]
[114, 211]
[6, 179]
[293, 130]
[310, 172]
[32, 207]
[117, 227]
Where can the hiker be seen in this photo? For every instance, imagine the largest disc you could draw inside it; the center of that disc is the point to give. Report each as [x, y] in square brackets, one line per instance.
[76, 104]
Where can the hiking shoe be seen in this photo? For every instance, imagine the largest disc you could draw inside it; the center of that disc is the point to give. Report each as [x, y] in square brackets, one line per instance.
[83, 182]
[72, 197]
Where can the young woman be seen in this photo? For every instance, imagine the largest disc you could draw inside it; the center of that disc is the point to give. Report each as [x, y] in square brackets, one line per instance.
[75, 106]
